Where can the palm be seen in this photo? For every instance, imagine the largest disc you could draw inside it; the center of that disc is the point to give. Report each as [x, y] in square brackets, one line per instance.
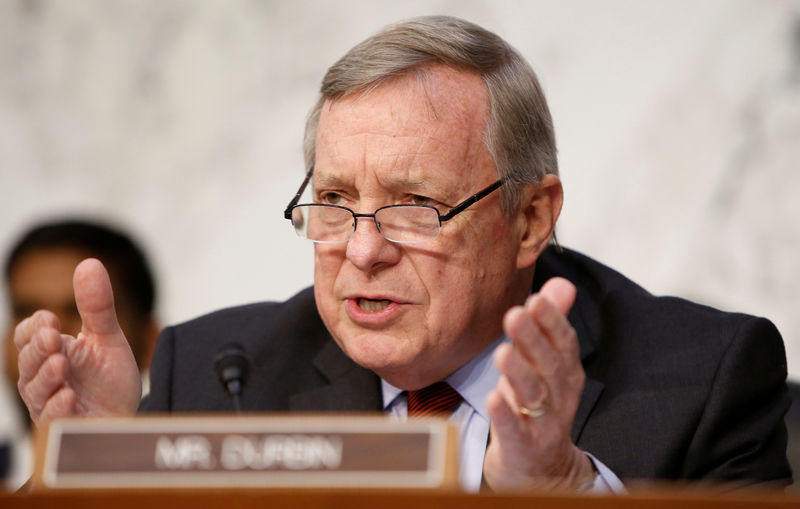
[103, 375]
[103, 371]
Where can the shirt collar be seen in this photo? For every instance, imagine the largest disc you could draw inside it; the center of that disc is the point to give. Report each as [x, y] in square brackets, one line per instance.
[474, 380]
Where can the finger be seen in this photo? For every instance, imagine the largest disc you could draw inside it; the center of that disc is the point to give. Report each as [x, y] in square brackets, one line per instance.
[531, 342]
[561, 292]
[503, 416]
[44, 343]
[554, 326]
[548, 341]
[26, 328]
[527, 386]
[95, 298]
[49, 379]
[61, 404]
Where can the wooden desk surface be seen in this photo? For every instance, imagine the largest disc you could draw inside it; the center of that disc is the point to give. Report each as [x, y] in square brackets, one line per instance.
[407, 499]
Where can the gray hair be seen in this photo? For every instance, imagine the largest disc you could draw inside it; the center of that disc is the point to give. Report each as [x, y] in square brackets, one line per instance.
[519, 134]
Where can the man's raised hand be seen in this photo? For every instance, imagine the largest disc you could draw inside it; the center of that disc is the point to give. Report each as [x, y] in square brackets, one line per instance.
[92, 375]
[534, 404]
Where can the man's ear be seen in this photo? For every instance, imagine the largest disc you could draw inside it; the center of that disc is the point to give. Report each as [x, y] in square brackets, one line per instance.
[539, 210]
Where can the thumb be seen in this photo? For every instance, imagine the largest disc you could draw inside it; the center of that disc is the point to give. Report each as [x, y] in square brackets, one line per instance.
[95, 298]
[561, 292]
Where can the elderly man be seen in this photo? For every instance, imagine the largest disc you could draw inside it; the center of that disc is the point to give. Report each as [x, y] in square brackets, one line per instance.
[435, 195]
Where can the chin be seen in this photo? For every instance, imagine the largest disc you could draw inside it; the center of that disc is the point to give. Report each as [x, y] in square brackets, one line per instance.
[384, 359]
[377, 359]
[402, 369]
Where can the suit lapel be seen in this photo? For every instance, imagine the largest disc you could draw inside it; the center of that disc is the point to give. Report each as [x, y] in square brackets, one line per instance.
[585, 318]
[348, 387]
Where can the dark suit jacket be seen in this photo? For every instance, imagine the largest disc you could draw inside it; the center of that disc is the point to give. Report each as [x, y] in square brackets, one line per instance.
[674, 390]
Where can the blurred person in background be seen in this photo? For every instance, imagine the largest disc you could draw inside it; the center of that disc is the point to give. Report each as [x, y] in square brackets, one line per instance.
[38, 275]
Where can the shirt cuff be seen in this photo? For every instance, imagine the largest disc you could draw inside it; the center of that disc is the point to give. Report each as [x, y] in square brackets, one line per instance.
[605, 481]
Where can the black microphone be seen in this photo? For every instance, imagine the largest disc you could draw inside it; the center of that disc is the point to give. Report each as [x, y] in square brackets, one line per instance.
[231, 366]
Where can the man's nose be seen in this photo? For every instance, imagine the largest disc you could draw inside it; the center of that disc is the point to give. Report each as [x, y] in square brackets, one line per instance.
[368, 249]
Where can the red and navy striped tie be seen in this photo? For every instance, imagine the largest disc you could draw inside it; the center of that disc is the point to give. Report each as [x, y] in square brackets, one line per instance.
[438, 399]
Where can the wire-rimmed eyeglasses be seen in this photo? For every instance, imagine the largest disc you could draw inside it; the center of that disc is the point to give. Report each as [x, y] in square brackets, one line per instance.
[329, 224]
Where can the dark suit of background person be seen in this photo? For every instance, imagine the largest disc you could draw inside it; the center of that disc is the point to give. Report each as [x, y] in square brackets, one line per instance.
[674, 390]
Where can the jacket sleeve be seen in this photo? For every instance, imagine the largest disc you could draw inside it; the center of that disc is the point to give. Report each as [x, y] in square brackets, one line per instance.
[159, 399]
[741, 435]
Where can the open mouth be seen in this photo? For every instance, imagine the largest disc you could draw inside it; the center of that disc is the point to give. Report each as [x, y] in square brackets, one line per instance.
[372, 306]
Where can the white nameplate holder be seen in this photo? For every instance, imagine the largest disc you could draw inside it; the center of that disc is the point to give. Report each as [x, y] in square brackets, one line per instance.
[298, 450]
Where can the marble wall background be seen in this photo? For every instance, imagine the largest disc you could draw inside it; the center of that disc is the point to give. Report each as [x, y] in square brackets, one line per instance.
[678, 124]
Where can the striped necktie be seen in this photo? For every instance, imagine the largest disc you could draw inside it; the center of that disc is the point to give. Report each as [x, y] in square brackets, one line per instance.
[438, 399]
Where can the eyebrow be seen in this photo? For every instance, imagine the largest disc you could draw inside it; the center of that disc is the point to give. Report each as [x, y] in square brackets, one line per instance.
[328, 180]
[333, 180]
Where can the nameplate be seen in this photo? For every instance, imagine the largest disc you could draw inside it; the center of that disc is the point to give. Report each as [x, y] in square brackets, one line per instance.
[260, 451]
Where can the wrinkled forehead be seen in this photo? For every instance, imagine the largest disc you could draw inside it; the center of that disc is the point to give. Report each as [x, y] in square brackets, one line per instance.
[414, 123]
[441, 92]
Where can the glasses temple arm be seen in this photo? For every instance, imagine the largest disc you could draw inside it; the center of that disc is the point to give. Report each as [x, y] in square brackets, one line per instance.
[471, 200]
[287, 213]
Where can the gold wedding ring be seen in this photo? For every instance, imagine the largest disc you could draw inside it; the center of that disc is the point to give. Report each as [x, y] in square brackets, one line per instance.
[532, 412]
